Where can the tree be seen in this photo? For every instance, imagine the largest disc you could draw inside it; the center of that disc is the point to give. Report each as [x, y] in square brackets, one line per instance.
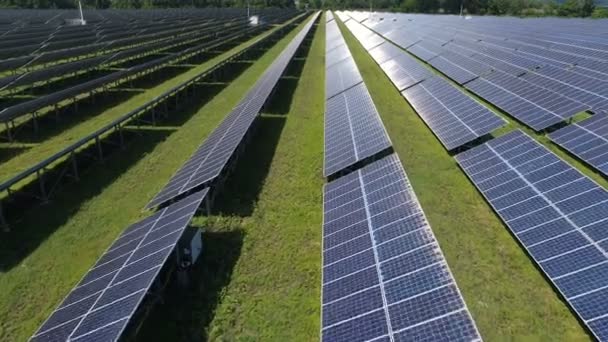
[600, 13]
[576, 8]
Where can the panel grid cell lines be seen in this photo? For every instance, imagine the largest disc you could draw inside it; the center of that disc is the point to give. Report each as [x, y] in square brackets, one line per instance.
[588, 140]
[384, 275]
[341, 76]
[213, 155]
[558, 215]
[536, 107]
[453, 116]
[103, 302]
[404, 71]
[353, 129]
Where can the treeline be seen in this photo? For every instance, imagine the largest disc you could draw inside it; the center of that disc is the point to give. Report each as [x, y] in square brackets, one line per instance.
[569, 8]
[142, 3]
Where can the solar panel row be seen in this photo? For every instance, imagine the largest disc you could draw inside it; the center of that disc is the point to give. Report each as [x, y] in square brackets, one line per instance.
[10, 113]
[454, 117]
[384, 275]
[104, 301]
[213, 155]
[353, 129]
[460, 68]
[538, 68]
[532, 105]
[402, 69]
[557, 214]
[588, 140]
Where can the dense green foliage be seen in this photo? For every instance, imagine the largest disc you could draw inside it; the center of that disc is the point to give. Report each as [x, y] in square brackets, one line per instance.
[568, 8]
[580, 8]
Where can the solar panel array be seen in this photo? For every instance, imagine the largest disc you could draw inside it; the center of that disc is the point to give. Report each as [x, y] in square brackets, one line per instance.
[534, 106]
[353, 128]
[344, 75]
[558, 215]
[213, 155]
[458, 67]
[25, 44]
[105, 300]
[402, 69]
[454, 117]
[210, 40]
[540, 71]
[588, 140]
[384, 275]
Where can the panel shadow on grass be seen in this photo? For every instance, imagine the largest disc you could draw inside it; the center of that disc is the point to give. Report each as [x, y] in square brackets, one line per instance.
[35, 224]
[186, 313]
[9, 152]
[242, 187]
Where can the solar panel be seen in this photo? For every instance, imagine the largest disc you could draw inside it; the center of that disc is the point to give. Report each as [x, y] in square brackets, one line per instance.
[208, 161]
[344, 75]
[384, 275]
[404, 71]
[213, 155]
[534, 106]
[459, 68]
[557, 214]
[336, 55]
[384, 52]
[403, 38]
[590, 91]
[104, 301]
[365, 36]
[587, 139]
[454, 117]
[353, 129]
[333, 36]
[425, 50]
[505, 62]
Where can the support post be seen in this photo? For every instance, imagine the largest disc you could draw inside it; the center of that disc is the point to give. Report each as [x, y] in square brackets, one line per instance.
[75, 166]
[35, 121]
[9, 132]
[41, 184]
[122, 138]
[99, 149]
[3, 222]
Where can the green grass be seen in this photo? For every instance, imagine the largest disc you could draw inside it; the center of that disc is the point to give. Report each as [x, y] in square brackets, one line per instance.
[509, 298]
[55, 244]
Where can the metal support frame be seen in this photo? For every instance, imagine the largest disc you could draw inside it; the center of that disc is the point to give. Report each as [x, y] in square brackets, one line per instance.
[99, 149]
[74, 166]
[3, 222]
[41, 185]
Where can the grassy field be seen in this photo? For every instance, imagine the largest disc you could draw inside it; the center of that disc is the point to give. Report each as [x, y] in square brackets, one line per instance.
[508, 297]
[54, 245]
